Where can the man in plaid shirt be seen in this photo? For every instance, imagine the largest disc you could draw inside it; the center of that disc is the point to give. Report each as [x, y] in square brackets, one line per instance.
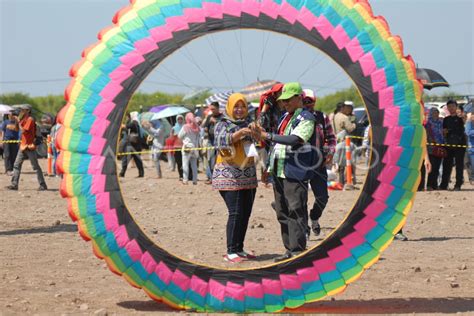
[326, 146]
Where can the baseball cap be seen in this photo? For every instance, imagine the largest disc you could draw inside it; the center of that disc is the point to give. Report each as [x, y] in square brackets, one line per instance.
[277, 87]
[308, 93]
[349, 103]
[290, 89]
[25, 107]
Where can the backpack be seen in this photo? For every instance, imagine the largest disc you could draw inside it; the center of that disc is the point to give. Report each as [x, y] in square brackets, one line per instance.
[38, 137]
[320, 138]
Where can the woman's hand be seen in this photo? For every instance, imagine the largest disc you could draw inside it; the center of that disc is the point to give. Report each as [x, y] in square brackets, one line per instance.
[241, 133]
[244, 132]
[428, 166]
[256, 131]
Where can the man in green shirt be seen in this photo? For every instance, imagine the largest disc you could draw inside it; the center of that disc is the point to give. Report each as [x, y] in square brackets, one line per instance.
[292, 164]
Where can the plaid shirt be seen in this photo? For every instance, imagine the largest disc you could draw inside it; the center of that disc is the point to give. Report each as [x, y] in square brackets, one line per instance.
[325, 137]
[303, 130]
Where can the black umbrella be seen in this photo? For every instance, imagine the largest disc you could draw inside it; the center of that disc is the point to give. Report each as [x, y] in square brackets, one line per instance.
[430, 78]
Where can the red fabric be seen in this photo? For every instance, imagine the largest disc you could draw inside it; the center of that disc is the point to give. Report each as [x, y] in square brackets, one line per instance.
[177, 143]
[169, 144]
[270, 93]
[283, 124]
[28, 132]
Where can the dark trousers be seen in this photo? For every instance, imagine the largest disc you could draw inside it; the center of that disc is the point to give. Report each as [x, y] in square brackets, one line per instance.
[291, 206]
[319, 186]
[10, 151]
[239, 204]
[342, 174]
[456, 155]
[178, 157]
[421, 186]
[32, 156]
[434, 174]
[138, 161]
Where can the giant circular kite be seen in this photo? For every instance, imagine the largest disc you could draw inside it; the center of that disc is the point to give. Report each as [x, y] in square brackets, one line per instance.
[143, 35]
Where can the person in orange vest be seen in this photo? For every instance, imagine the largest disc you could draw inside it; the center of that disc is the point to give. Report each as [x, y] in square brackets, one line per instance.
[27, 127]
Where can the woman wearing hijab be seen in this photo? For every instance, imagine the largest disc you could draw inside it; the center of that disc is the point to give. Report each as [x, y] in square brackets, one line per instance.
[178, 125]
[190, 135]
[235, 174]
[434, 133]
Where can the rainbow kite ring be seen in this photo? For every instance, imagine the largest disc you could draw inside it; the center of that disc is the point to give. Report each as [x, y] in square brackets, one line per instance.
[143, 35]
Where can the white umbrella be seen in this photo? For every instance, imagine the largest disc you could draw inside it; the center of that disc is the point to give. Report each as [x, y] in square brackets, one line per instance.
[170, 111]
[5, 109]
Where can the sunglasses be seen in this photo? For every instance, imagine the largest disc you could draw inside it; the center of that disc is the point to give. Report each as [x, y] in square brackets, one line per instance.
[308, 101]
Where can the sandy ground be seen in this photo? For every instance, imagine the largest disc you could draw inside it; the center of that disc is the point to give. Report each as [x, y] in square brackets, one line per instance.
[46, 268]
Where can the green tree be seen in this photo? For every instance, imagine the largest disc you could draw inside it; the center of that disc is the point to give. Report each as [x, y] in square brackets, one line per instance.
[328, 103]
[50, 104]
[428, 97]
[16, 98]
[149, 100]
[20, 98]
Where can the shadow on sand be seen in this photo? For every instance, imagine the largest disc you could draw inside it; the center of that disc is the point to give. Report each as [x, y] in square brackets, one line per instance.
[61, 228]
[376, 306]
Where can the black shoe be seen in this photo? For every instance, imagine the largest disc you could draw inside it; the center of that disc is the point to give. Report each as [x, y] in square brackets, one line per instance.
[401, 237]
[121, 175]
[287, 255]
[43, 187]
[140, 176]
[12, 187]
[457, 189]
[315, 227]
[443, 188]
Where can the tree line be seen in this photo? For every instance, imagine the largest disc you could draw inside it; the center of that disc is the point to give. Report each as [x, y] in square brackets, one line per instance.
[143, 101]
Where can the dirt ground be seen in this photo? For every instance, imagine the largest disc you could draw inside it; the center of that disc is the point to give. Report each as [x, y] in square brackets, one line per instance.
[46, 268]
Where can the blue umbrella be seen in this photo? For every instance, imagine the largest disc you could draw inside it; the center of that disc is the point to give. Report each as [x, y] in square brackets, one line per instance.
[170, 111]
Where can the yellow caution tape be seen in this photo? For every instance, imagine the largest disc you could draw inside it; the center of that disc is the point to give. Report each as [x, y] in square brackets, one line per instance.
[428, 144]
[163, 151]
[17, 141]
[448, 145]
[9, 141]
[208, 148]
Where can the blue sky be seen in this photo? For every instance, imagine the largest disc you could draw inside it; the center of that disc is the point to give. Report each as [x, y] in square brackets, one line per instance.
[40, 40]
